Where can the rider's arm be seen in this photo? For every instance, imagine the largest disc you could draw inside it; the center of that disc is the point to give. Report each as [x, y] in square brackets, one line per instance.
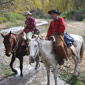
[49, 30]
[25, 25]
[62, 26]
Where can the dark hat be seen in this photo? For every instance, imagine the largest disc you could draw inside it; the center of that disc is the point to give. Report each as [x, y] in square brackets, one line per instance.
[53, 11]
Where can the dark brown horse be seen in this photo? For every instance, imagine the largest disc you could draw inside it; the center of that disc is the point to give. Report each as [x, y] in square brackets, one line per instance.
[10, 41]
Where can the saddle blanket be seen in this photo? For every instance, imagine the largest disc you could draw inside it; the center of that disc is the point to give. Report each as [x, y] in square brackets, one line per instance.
[68, 39]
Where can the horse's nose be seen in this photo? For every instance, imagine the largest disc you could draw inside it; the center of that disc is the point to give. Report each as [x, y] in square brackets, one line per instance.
[31, 59]
[8, 54]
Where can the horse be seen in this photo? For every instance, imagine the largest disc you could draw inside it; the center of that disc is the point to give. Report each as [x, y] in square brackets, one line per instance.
[10, 40]
[48, 55]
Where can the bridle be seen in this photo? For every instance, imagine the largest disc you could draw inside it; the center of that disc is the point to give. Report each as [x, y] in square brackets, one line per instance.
[12, 39]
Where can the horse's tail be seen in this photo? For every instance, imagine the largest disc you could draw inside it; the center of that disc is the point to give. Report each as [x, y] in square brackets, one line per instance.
[82, 52]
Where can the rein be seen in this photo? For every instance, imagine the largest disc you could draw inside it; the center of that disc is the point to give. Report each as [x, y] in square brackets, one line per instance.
[13, 38]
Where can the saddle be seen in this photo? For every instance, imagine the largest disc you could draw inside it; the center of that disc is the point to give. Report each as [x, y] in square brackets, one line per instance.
[63, 50]
[24, 43]
[24, 38]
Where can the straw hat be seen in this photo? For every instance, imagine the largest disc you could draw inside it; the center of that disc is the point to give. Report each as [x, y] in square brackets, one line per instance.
[27, 13]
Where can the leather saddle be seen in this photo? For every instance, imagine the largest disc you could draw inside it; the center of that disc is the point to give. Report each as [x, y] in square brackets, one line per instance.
[70, 50]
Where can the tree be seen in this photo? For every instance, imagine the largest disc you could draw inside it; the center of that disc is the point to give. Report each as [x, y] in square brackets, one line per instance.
[5, 2]
[22, 5]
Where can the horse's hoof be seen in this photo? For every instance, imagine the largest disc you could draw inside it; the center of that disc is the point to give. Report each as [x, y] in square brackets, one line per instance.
[21, 75]
[36, 68]
[15, 71]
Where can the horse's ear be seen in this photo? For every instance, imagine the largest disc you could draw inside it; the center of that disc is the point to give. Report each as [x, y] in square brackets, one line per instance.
[2, 35]
[9, 33]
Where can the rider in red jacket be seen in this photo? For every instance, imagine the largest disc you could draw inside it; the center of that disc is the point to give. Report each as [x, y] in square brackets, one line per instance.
[30, 25]
[57, 25]
[56, 29]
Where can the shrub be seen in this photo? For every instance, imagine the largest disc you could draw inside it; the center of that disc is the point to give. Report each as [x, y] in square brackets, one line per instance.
[83, 20]
[19, 17]
[3, 19]
[14, 16]
[74, 14]
[10, 17]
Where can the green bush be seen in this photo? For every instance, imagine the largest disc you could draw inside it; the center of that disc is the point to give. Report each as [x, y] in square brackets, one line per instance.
[14, 16]
[74, 14]
[10, 17]
[67, 14]
[3, 19]
[83, 20]
[19, 17]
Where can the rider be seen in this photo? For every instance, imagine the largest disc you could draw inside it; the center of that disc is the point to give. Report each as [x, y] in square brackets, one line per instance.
[57, 28]
[30, 25]
[29, 29]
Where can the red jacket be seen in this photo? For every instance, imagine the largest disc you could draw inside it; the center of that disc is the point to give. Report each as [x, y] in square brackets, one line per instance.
[56, 26]
[30, 25]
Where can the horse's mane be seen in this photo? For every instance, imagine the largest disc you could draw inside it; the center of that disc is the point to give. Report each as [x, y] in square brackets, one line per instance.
[17, 34]
[13, 34]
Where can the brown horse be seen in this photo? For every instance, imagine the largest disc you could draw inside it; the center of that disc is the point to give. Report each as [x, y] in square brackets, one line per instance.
[10, 41]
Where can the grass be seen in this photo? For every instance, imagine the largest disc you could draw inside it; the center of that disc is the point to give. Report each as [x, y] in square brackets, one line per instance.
[4, 70]
[17, 23]
[12, 24]
[83, 20]
[10, 19]
[3, 19]
[69, 78]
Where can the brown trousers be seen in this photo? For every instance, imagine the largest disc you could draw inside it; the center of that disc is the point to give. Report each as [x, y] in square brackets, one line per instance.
[59, 46]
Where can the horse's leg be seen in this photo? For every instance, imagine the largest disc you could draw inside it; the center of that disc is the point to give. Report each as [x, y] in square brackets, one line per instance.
[21, 65]
[48, 75]
[55, 74]
[37, 62]
[77, 62]
[11, 64]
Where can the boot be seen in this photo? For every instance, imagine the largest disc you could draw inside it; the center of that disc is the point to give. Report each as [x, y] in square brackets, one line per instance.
[60, 61]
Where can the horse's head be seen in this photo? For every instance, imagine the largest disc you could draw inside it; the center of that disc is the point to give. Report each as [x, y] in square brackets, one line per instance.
[8, 43]
[34, 49]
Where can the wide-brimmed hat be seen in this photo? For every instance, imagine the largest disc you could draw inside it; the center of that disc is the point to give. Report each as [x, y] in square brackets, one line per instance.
[27, 13]
[53, 11]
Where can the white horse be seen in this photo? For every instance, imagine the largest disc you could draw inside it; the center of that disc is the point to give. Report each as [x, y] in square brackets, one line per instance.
[45, 48]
